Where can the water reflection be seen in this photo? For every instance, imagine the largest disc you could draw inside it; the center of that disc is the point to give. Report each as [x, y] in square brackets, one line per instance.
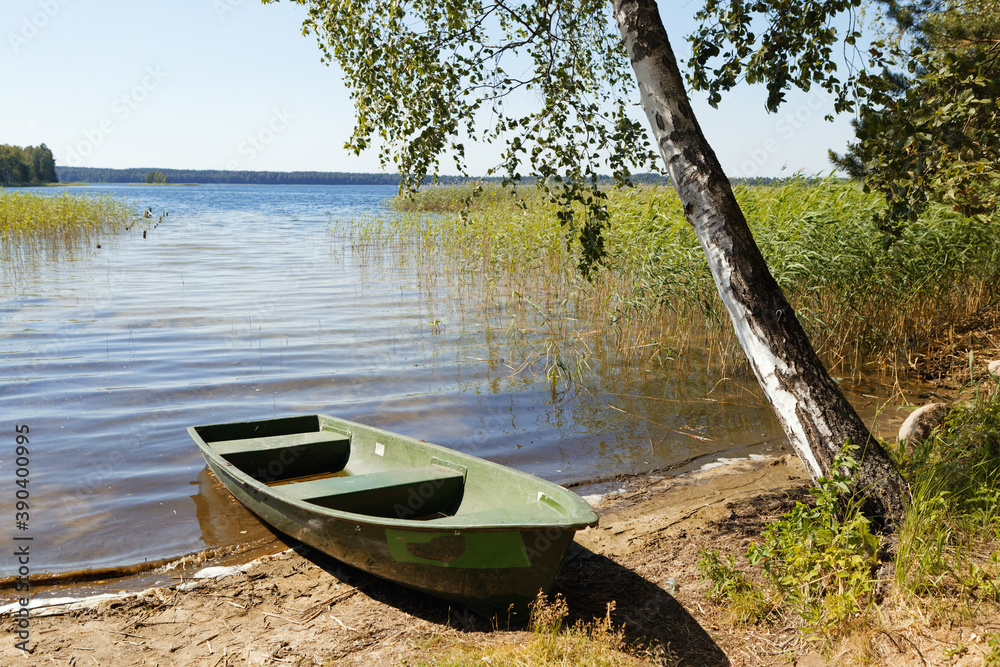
[224, 521]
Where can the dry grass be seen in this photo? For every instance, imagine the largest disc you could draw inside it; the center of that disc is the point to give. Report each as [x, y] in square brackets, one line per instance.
[549, 642]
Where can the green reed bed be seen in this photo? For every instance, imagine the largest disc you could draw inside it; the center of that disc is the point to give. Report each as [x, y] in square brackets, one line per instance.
[518, 278]
[471, 195]
[31, 223]
[866, 305]
[864, 301]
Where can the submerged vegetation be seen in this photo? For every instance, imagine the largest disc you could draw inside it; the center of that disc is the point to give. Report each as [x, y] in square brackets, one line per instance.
[867, 305]
[32, 223]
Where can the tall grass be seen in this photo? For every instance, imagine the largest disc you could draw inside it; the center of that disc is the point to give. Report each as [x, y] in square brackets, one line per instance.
[32, 223]
[948, 548]
[866, 306]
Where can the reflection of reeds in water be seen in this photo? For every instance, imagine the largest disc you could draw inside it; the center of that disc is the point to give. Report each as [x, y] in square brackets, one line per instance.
[867, 307]
[33, 224]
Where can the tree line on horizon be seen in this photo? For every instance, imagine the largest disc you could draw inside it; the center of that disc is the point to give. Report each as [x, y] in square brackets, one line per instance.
[53, 173]
[140, 175]
[31, 165]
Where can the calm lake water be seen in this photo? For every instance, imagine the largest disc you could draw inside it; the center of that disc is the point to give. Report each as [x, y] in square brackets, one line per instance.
[243, 305]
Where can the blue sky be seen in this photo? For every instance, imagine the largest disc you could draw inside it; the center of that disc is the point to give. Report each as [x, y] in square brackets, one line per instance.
[232, 84]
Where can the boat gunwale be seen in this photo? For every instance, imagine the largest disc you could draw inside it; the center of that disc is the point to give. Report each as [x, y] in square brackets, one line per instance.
[577, 507]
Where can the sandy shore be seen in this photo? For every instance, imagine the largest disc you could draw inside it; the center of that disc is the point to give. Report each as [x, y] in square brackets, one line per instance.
[300, 607]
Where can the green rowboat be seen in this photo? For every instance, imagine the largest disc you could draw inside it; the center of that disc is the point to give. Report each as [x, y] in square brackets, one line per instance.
[421, 515]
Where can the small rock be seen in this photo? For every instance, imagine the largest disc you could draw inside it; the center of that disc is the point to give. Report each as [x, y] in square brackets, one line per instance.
[994, 367]
[922, 421]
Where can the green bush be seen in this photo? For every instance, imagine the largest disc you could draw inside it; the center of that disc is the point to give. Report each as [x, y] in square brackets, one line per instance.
[745, 602]
[822, 558]
[948, 545]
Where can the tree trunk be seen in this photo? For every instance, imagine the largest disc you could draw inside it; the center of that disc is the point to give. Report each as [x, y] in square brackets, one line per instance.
[810, 406]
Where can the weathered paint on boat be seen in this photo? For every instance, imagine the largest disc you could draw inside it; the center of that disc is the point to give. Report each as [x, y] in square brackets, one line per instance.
[424, 516]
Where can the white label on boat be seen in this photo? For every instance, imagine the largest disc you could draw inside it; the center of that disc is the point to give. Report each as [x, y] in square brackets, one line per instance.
[379, 449]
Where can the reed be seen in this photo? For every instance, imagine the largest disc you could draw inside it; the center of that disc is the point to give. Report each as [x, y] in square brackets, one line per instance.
[31, 223]
[866, 306]
[471, 195]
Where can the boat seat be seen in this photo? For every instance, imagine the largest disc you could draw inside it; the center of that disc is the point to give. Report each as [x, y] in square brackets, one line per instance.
[228, 447]
[528, 514]
[277, 457]
[407, 493]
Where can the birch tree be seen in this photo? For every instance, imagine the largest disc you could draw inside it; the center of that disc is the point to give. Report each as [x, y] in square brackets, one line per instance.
[426, 75]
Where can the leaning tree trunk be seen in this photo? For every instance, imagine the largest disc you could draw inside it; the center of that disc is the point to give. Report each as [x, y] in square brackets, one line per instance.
[810, 406]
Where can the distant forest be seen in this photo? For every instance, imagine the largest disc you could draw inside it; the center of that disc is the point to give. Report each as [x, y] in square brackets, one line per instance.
[32, 165]
[140, 175]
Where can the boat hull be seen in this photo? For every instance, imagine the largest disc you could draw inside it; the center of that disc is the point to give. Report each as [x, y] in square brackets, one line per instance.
[492, 558]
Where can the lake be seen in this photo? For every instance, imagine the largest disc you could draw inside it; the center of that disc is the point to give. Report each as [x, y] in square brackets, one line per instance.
[244, 303]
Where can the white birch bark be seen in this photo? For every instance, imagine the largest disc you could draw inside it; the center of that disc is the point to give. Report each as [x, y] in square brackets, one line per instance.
[814, 413]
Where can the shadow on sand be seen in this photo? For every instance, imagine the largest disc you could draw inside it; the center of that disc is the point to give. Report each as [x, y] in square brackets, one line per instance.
[648, 615]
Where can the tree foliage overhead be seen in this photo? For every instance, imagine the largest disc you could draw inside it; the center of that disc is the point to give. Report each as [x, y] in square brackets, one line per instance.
[933, 132]
[780, 43]
[548, 80]
[925, 90]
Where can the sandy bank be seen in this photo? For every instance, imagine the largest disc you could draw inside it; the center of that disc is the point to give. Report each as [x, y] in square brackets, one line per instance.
[303, 607]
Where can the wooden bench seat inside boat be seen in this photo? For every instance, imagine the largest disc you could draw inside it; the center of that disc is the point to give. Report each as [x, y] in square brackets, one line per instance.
[277, 457]
[528, 514]
[407, 493]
